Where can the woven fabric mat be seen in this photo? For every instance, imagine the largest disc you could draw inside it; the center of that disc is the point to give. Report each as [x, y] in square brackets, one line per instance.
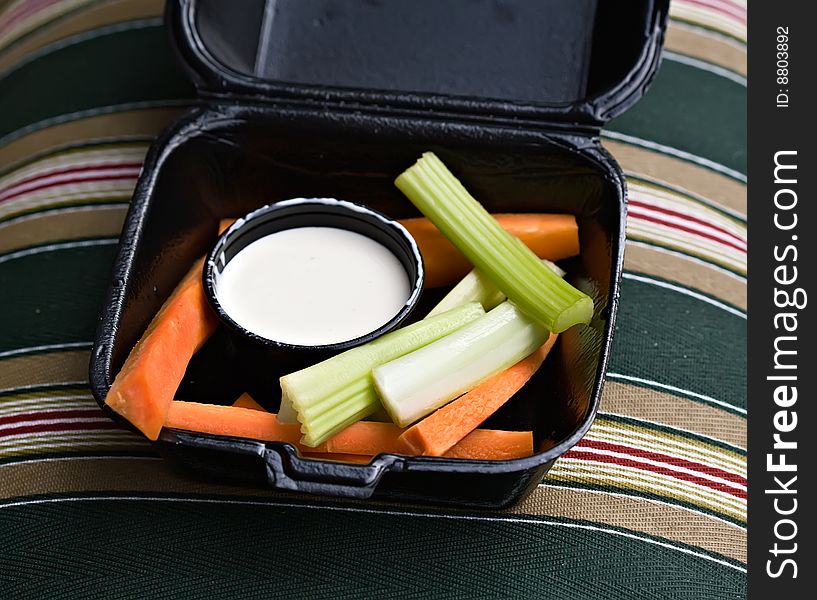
[651, 504]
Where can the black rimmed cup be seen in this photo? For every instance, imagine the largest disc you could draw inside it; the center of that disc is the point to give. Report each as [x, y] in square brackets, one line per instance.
[276, 357]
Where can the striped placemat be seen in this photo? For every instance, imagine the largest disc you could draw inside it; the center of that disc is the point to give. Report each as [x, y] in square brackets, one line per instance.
[652, 503]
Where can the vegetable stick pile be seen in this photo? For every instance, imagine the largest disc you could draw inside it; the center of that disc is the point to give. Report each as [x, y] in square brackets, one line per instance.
[438, 379]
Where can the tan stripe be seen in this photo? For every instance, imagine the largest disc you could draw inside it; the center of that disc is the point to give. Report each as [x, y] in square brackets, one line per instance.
[44, 369]
[105, 475]
[105, 221]
[686, 272]
[699, 44]
[670, 522]
[706, 17]
[685, 244]
[646, 483]
[131, 123]
[75, 392]
[680, 174]
[136, 475]
[92, 17]
[641, 438]
[26, 206]
[660, 195]
[674, 411]
[38, 18]
[114, 154]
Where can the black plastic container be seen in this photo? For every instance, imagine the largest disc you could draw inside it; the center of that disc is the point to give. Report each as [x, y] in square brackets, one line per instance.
[510, 94]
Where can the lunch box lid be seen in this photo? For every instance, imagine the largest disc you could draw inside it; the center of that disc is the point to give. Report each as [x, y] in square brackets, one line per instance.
[564, 63]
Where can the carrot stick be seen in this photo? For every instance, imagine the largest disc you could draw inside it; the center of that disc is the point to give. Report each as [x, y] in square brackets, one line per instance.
[367, 438]
[480, 444]
[363, 439]
[232, 421]
[493, 444]
[246, 401]
[550, 236]
[145, 386]
[442, 429]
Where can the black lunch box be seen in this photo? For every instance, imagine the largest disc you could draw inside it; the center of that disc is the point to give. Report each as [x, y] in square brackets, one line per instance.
[331, 98]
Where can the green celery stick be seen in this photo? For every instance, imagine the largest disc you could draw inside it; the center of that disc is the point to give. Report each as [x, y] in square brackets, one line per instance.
[509, 264]
[476, 287]
[331, 395]
[418, 383]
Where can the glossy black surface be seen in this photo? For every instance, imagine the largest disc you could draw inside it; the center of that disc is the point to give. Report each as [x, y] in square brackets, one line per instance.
[466, 48]
[567, 62]
[232, 156]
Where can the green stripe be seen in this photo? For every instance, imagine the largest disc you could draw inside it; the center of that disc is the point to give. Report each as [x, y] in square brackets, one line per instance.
[683, 251]
[53, 297]
[124, 67]
[691, 289]
[657, 427]
[694, 111]
[194, 550]
[670, 338]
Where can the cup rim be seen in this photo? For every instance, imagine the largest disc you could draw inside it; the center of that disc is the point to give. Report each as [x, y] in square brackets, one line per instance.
[380, 220]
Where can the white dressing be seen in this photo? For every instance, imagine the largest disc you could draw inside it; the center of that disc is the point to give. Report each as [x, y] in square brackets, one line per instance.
[313, 286]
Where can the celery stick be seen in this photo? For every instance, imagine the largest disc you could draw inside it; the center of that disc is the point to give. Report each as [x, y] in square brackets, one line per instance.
[418, 383]
[476, 287]
[287, 414]
[514, 268]
[333, 394]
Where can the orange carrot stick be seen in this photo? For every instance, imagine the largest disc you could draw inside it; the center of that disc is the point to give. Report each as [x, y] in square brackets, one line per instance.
[493, 444]
[246, 401]
[367, 438]
[550, 236]
[232, 421]
[362, 439]
[442, 429]
[480, 444]
[145, 386]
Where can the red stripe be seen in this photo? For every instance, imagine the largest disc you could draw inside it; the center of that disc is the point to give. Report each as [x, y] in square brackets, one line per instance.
[690, 230]
[57, 427]
[78, 413]
[74, 169]
[626, 462]
[24, 10]
[665, 458]
[75, 181]
[724, 8]
[69, 171]
[686, 217]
